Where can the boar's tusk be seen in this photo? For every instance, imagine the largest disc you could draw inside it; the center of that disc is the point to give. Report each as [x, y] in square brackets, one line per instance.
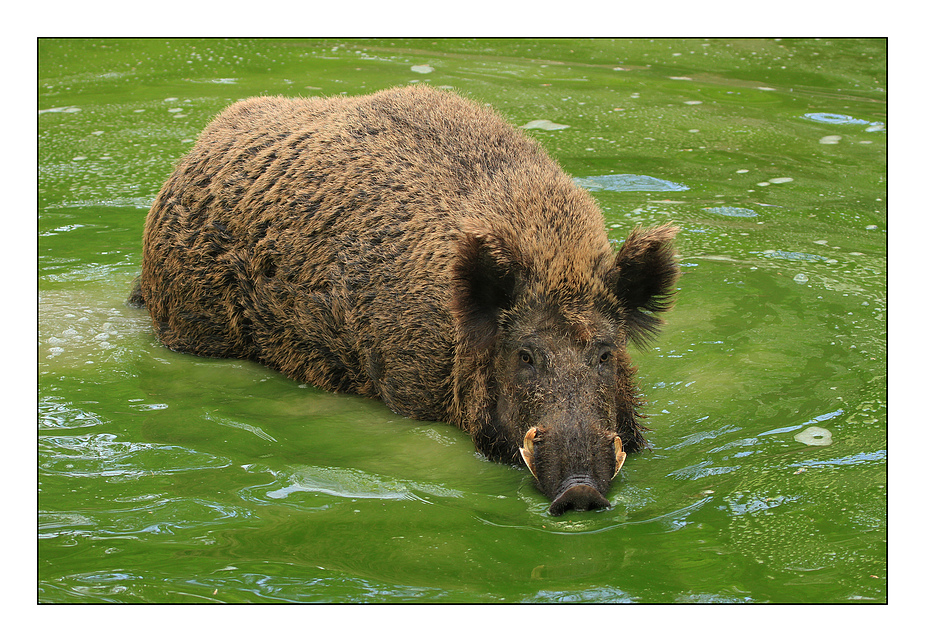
[621, 456]
[527, 451]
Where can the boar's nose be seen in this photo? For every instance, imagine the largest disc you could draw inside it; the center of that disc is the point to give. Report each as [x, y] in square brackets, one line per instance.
[578, 497]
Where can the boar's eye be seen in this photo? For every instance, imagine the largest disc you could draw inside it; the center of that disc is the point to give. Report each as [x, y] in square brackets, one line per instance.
[605, 356]
[526, 357]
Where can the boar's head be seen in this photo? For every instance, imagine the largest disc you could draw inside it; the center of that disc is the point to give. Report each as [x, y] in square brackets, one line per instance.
[543, 375]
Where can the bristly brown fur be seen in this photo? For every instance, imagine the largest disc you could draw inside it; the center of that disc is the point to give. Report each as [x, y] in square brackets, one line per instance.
[378, 244]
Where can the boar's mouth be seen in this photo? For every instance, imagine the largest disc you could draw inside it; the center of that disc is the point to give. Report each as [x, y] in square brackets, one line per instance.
[577, 492]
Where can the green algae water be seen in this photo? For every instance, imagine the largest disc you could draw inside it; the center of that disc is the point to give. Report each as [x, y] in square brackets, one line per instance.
[166, 477]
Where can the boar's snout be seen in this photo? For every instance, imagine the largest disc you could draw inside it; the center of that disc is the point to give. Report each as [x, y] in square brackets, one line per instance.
[578, 497]
[573, 466]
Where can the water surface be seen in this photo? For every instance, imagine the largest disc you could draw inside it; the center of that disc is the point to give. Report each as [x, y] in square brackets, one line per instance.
[165, 477]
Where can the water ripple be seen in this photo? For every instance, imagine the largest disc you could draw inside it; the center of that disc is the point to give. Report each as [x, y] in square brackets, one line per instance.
[732, 211]
[56, 413]
[628, 183]
[741, 504]
[814, 420]
[850, 460]
[791, 256]
[345, 483]
[842, 119]
[102, 455]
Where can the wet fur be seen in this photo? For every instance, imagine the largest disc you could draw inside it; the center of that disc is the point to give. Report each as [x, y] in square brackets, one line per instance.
[383, 245]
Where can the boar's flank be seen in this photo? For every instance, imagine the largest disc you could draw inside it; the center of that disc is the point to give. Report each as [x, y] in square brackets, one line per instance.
[410, 245]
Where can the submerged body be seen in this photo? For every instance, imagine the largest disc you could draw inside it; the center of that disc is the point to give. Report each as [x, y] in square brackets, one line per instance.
[412, 246]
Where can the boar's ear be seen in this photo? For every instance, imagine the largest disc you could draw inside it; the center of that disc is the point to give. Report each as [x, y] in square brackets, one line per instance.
[643, 278]
[485, 275]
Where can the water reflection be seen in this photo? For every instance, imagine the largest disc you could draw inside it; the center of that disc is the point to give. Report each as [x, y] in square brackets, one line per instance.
[628, 183]
[601, 595]
[56, 412]
[823, 417]
[346, 483]
[791, 256]
[144, 517]
[232, 423]
[834, 119]
[81, 328]
[741, 503]
[700, 470]
[849, 460]
[842, 119]
[732, 211]
[103, 455]
[545, 125]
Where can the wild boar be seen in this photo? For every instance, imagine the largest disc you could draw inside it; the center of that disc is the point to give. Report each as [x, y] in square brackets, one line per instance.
[413, 246]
